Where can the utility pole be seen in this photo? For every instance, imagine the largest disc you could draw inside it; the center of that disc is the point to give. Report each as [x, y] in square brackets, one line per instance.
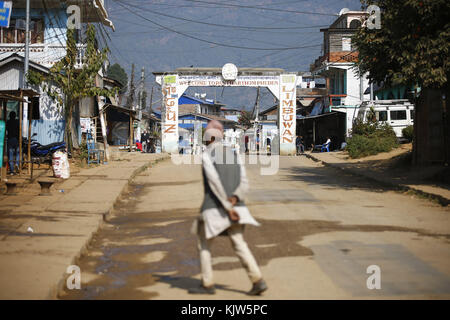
[150, 110]
[130, 105]
[255, 127]
[142, 89]
[25, 85]
[101, 114]
[151, 102]
[141, 104]
[27, 46]
[131, 93]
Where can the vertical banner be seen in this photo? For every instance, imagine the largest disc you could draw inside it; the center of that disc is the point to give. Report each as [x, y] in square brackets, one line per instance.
[5, 13]
[287, 114]
[169, 114]
[2, 140]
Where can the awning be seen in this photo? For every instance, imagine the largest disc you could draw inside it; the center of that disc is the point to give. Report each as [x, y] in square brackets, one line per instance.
[306, 103]
[317, 116]
[11, 97]
[16, 93]
[122, 109]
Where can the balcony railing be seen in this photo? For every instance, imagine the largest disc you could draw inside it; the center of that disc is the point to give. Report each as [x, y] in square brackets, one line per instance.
[336, 99]
[338, 56]
[45, 54]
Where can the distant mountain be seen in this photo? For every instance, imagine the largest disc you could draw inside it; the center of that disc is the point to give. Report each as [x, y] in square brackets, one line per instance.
[142, 37]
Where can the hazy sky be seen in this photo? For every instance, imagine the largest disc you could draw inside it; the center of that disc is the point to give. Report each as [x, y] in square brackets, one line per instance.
[159, 35]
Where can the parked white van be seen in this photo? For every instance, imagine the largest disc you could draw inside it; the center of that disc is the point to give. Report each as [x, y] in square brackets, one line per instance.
[397, 113]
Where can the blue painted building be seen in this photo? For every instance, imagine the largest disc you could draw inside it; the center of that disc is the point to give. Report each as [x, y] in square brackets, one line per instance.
[48, 27]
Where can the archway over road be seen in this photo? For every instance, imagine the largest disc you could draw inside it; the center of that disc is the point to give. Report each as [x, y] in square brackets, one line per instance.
[280, 83]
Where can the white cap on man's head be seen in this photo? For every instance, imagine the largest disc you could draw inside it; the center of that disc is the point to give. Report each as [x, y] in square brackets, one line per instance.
[213, 129]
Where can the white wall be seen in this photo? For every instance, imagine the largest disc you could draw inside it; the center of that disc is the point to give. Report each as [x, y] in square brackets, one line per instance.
[353, 86]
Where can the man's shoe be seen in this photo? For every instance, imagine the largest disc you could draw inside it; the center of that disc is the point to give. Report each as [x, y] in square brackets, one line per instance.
[202, 290]
[258, 288]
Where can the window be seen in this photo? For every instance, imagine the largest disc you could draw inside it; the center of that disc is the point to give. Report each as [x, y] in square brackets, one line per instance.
[346, 44]
[412, 114]
[355, 23]
[37, 31]
[381, 115]
[9, 34]
[398, 115]
[16, 31]
[35, 108]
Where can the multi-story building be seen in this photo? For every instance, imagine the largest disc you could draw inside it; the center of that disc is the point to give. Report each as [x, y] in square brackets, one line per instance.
[346, 89]
[48, 29]
[199, 105]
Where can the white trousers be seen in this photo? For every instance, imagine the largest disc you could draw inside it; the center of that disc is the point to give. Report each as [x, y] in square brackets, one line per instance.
[236, 235]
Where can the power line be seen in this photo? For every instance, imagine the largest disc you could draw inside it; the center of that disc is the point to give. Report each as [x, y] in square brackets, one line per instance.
[166, 5]
[220, 25]
[103, 31]
[208, 41]
[262, 8]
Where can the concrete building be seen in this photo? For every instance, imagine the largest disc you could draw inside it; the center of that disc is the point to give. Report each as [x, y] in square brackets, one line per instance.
[48, 29]
[197, 105]
[231, 113]
[346, 90]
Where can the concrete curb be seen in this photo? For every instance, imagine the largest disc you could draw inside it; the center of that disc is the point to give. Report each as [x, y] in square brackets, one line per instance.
[395, 186]
[58, 288]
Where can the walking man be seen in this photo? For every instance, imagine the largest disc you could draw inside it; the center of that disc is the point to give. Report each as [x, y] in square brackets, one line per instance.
[223, 211]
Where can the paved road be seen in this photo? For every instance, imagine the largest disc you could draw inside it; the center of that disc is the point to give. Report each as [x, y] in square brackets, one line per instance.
[321, 229]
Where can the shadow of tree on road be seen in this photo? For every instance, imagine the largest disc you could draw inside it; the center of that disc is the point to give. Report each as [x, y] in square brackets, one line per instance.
[135, 250]
[333, 178]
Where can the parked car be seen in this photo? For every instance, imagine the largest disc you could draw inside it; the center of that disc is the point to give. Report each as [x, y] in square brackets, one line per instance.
[397, 113]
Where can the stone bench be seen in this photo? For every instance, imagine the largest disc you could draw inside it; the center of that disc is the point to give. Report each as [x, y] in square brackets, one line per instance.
[45, 186]
[12, 186]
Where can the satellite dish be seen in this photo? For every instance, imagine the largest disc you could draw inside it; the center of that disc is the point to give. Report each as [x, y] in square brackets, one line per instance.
[343, 10]
[203, 95]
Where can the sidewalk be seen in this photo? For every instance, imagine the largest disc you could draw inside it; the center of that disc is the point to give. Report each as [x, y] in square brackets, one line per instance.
[372, 168]
[33, 265]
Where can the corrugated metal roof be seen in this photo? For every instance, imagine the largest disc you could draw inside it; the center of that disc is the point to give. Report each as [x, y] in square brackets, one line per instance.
[185, 99]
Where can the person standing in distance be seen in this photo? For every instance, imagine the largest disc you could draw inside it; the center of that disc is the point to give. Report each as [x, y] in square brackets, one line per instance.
[12, 129]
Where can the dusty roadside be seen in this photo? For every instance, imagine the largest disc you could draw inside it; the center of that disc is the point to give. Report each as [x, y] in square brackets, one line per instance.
[32, 264]
[392, 169]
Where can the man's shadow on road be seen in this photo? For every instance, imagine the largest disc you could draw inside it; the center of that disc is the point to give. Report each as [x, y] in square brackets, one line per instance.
[187, 283]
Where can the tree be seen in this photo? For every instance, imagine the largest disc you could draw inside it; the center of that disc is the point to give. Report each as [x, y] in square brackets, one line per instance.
[245, 119]
[117, 73]
[143, 100]
[67, 84]
[412, 48]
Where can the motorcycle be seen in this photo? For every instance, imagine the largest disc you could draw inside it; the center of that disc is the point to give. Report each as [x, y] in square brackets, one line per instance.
[42, 153]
